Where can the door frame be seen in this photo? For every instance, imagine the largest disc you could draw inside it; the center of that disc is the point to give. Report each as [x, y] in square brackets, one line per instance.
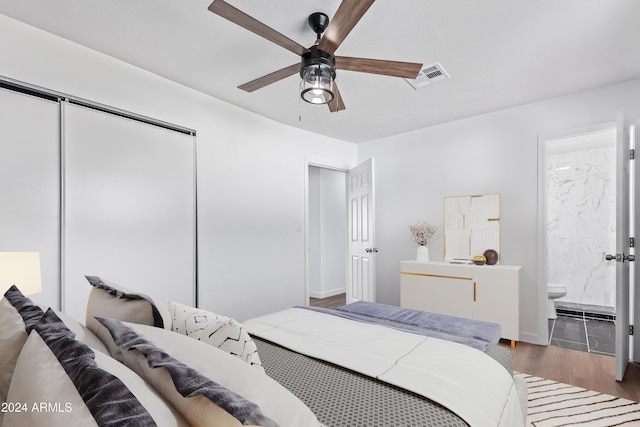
[543, 142]
[323, 164]
[634, 273]
[624, 281]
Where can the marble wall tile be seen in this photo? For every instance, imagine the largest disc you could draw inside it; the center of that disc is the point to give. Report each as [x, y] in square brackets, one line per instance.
[581, 212]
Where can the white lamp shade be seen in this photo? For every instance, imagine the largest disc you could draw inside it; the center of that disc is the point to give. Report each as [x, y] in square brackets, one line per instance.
[21, 269]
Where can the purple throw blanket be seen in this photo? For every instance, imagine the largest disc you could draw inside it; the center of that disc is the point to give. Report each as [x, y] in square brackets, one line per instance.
[474, 333]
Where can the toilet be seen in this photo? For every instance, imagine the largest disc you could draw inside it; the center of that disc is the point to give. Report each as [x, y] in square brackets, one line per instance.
[554, 291]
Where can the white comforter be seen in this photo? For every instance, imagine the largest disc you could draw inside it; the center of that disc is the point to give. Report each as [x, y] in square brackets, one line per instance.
[466, 381]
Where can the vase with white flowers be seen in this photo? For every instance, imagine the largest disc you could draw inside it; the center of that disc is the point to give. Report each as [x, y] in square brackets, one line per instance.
[421, 233]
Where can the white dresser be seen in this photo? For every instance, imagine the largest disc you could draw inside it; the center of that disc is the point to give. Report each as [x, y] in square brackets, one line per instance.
[483, 292]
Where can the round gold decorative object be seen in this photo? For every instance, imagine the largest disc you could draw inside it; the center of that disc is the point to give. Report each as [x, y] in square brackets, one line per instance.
[492, 256]
[479, 260]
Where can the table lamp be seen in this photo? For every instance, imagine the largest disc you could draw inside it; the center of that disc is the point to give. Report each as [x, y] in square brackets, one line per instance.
[21, 269]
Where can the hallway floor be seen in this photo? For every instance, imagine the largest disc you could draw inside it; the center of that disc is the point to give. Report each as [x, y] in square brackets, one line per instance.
[581, 332]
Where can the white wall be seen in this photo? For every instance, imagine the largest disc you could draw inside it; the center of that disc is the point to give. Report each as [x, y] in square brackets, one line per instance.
[490, 153]
[250, 170]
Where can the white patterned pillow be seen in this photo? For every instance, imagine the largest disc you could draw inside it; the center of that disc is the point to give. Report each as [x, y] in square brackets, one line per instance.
[219, 331]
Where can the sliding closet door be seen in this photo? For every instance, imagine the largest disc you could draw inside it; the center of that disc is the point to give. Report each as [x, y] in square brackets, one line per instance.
[128, 207]
[30, 184]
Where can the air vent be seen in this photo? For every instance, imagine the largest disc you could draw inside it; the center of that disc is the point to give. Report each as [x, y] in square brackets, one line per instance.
[429, 75]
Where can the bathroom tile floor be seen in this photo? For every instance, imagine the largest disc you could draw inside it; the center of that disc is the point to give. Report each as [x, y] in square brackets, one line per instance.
[579, 332]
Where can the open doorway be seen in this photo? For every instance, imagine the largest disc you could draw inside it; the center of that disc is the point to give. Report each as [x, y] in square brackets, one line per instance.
[327, 231]
[581, 228]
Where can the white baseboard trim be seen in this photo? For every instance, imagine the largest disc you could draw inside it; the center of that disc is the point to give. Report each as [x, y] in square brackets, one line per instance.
[327, 294]
[532, 338]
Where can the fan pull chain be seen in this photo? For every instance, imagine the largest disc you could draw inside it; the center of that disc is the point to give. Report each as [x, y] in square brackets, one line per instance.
[299, 105]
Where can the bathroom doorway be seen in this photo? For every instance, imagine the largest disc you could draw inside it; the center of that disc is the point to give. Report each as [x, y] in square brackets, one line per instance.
[581, 220]
[578, 228]
[578, 217]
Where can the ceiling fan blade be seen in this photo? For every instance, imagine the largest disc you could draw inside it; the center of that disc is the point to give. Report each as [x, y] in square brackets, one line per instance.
[347, 16]
[409, 70]
[224, 9]
[337, 104]
[263, 81]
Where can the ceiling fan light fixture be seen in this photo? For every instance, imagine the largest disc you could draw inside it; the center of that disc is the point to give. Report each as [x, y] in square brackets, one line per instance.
[316, 86]
[317, 71]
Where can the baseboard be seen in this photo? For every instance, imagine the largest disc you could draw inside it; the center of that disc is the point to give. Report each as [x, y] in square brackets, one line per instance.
[532, 338]
[327, 294]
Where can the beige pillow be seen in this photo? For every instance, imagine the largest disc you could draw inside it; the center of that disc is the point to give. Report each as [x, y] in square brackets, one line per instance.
[82, 333]
[60, 381]
[257, 398]
[17, 314]
[117, 302]
[39, 377]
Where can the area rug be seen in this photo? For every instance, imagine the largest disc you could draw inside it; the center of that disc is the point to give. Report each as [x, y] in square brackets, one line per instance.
[554, 404]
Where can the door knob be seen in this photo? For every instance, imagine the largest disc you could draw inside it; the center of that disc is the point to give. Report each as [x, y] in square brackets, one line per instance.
[370, 250]
[620, 258]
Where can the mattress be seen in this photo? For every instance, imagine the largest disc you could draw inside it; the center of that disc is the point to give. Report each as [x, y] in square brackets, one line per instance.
[340, 397]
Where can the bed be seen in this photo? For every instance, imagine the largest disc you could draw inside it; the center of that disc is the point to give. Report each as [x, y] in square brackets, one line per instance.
[396, 365]
[163, 363]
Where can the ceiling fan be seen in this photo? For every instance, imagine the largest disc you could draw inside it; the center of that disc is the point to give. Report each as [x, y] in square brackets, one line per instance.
[318, 63]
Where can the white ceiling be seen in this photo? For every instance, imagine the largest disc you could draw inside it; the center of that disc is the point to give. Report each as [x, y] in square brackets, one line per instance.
[499, 53]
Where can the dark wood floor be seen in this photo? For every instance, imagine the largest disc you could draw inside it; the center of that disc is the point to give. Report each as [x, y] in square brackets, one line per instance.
[589, 370]
[329, 302]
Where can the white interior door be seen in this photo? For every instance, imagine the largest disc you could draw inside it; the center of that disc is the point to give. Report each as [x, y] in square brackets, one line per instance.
[621, 255]
[361, 265]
